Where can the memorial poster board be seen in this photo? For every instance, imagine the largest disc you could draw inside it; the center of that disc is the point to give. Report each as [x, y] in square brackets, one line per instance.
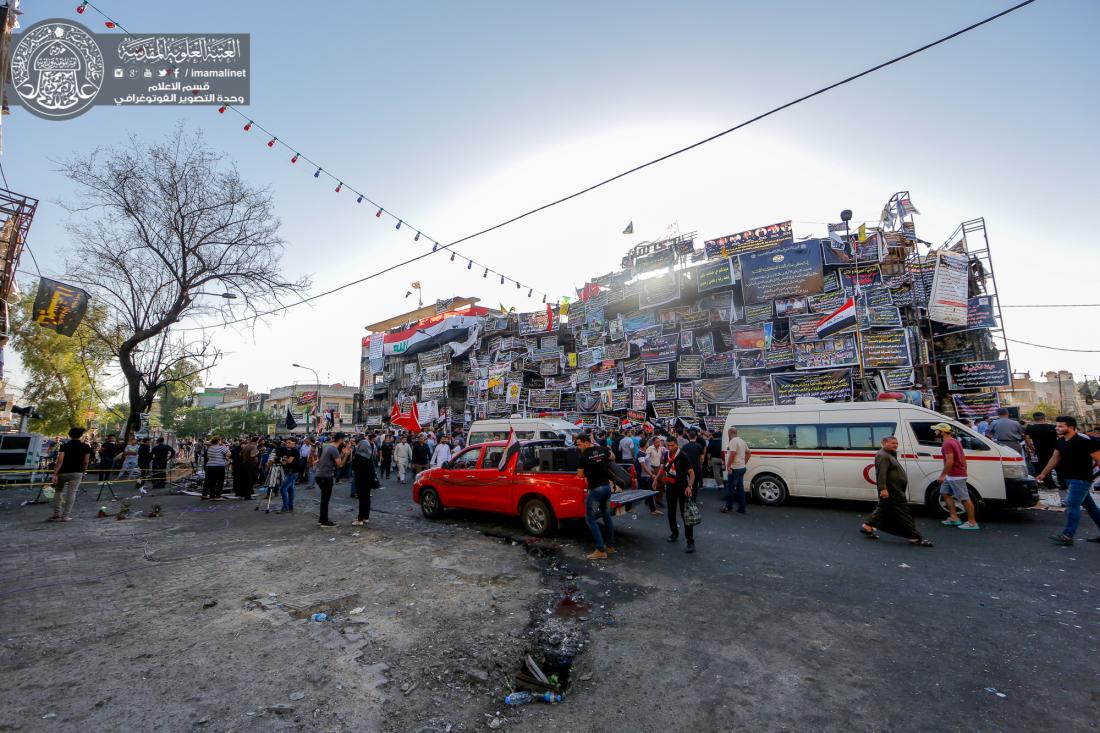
[834, 385]
[978, 375]
[791, 269]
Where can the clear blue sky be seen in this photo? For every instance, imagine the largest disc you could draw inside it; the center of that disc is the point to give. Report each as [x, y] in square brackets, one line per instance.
[456, 115]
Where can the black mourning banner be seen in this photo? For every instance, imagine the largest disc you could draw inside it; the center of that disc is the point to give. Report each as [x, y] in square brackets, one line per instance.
[978, 375]
[715, 275]
[884, 349]
[720, 389]
[834, 385]
[748, 241]
[59, 307]
[659, 290]
[791, 269]
[975, 406]
[897, 378]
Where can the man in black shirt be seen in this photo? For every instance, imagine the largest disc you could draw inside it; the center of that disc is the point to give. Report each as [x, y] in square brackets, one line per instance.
[1041, 439]
[1074, 456]
[107, 453]
[72, 464]
[288, 456]
[421, 456]
[714, 458]
[592, 467]
[145, 460]
[162, 456]
[694, 449]
[678, 475]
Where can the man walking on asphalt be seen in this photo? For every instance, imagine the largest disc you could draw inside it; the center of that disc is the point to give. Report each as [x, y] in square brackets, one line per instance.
[737, 461]
[333, 457]
[421, 455]
[402, 455]
[892, 514]
[362, 465]
[304, 451]
[1074, 457]
[442, 452]
[1042, 439]
[71, 466]
[250, 464]
[678, 475]
[597, 502]
[290, 459]
[953, 479]
[712, 457]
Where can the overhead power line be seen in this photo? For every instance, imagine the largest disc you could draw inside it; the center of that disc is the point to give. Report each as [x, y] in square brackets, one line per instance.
[588, 189]
[1054, 348]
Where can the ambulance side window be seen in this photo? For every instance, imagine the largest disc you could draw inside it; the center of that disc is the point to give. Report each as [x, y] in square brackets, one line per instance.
[923, 431]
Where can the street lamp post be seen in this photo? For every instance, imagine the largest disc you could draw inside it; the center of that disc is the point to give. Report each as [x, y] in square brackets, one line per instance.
[317, 393]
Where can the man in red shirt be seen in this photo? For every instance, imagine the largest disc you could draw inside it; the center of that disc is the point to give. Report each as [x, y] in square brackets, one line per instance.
[953, 479]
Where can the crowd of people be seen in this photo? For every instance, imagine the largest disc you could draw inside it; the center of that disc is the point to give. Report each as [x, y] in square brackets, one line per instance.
[673, 464]
[279, 465]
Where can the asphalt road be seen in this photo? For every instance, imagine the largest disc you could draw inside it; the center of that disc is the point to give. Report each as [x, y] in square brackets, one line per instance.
[786, 619]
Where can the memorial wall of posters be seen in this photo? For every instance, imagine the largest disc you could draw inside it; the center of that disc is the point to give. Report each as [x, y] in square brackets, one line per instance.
[733, 323]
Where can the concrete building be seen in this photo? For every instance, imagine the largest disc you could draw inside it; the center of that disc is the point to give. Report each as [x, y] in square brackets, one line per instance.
[214, 396]
[337, 398]
[1058, 388]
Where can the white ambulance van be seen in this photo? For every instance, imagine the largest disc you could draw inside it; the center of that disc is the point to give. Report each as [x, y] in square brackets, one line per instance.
[828, 450]
[527, 428]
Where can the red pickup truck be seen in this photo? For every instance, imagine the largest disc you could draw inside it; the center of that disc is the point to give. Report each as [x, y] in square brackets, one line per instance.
[540, 484]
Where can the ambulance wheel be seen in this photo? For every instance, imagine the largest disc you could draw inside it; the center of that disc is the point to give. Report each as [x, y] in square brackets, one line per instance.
[769, 489]
[430, 505]
[934, 500]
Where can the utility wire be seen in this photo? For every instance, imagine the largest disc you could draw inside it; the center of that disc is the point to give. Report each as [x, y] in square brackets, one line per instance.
[275, 140]
[635, 169]
[1054, 348]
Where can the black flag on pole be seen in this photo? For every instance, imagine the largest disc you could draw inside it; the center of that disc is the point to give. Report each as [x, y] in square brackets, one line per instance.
[290, 422]
[59, 307]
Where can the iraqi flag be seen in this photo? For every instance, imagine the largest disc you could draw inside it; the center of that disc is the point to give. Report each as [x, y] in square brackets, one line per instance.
[840, 319]
[510, 449]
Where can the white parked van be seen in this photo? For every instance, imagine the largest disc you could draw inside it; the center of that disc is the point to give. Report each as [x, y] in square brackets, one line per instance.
[828, 450]
[527, 428]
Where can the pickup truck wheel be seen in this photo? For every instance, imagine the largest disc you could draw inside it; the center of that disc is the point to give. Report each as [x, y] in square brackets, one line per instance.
[536, 517]
[769, 489]
[430, 505]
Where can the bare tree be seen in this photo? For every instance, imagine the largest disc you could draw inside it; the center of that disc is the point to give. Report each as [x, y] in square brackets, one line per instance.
[159, 227]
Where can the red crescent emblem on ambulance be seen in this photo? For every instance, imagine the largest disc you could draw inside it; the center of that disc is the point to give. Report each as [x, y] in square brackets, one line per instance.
[867, 473]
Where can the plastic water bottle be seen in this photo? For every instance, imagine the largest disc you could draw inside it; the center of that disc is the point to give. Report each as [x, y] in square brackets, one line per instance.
[518, 698]
[523, 697]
